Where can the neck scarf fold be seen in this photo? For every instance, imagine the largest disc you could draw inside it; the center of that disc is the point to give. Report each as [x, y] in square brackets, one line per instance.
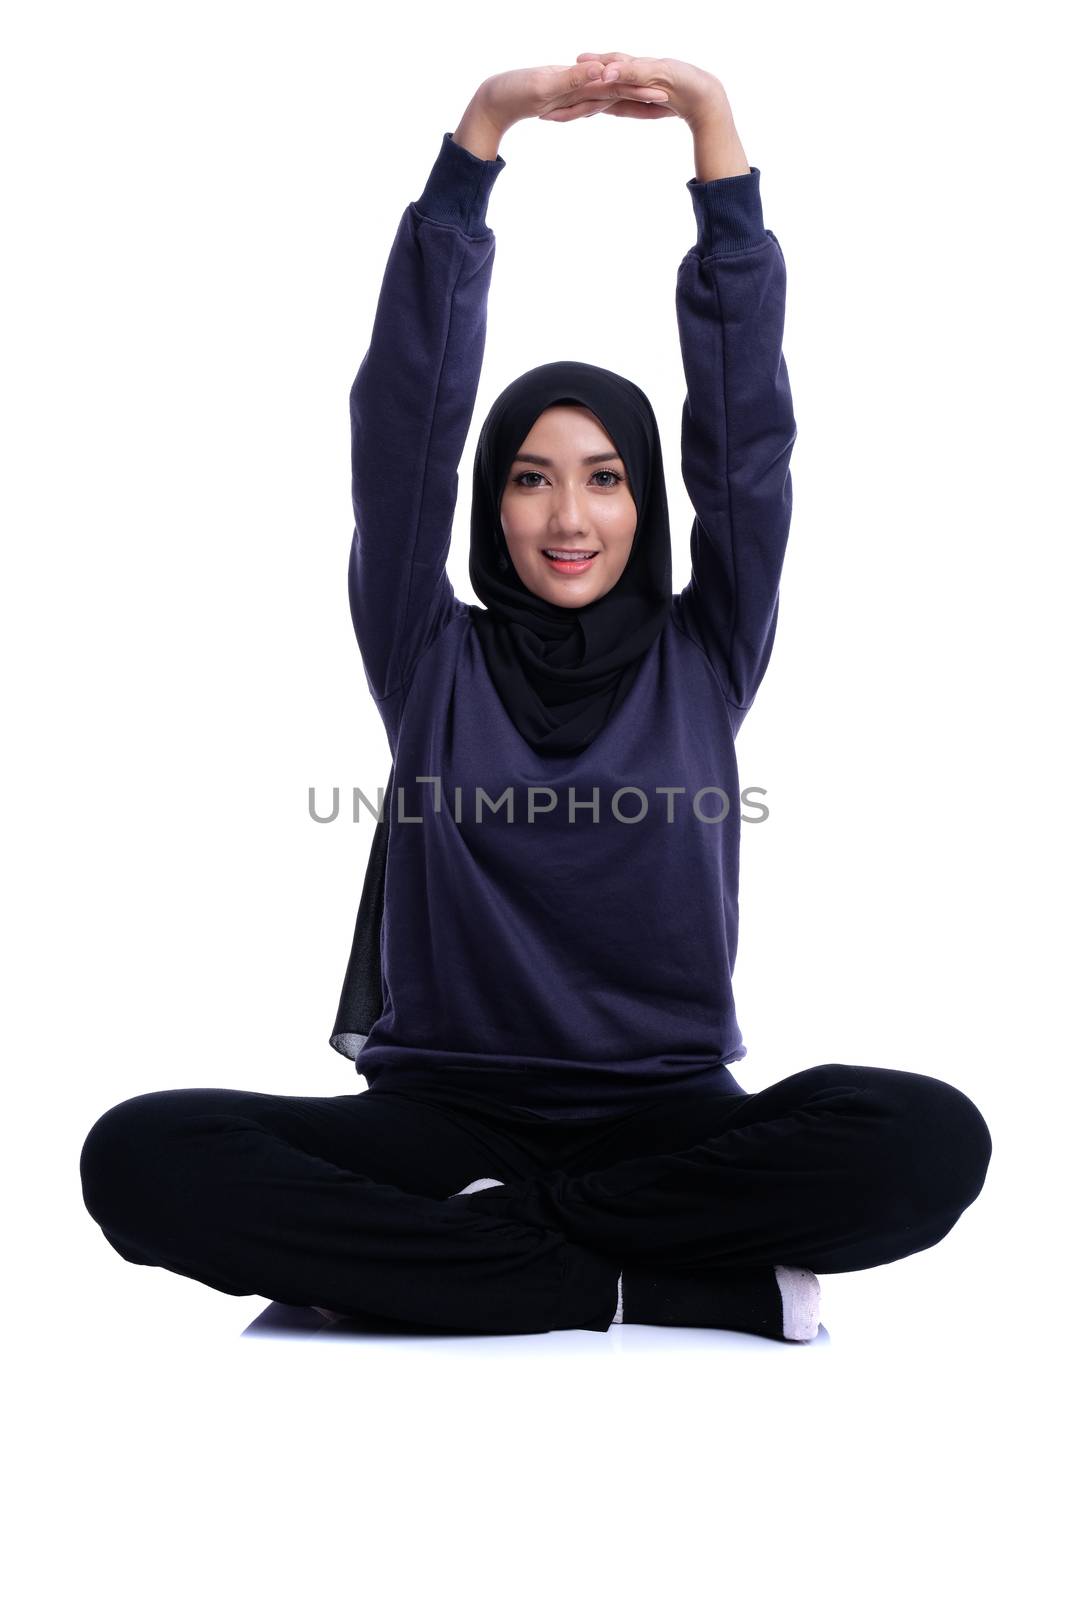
[561, 672]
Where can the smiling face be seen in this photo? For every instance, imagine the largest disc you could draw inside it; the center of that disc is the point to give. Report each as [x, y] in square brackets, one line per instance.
[568, 491]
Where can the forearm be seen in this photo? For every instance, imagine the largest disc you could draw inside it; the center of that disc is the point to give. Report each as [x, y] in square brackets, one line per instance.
[718, 151]
[476, 132]
[738, 432]
[410, 409]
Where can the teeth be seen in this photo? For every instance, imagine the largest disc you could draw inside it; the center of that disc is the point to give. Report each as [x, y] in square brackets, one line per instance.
[570, 555]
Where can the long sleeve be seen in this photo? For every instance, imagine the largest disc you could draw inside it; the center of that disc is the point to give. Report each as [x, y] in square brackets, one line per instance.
[410, 409]
[738, 431]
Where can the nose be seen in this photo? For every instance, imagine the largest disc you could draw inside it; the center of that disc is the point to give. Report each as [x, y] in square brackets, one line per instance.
[565, 512]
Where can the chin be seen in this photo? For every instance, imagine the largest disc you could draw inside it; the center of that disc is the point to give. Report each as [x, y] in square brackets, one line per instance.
[564, 594]
[567, 602]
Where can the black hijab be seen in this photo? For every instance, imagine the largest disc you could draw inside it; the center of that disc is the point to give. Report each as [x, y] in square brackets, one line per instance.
[560, 671]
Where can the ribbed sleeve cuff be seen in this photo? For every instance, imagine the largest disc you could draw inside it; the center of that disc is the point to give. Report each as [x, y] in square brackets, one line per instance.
[728, 212]
[459, 186]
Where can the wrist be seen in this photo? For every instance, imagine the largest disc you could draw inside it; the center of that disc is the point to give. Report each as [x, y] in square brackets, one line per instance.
[712, 108]
[479, 130]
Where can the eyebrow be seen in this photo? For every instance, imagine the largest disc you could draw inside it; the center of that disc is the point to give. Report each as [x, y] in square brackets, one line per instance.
[544, 461]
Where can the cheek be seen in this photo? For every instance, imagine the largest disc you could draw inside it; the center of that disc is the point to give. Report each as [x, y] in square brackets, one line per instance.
[624, 538]
[620, 521]
[518, 519]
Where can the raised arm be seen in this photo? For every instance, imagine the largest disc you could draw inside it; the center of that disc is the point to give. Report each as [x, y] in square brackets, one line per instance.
[738, 418]
[410, 409]
[411, 404]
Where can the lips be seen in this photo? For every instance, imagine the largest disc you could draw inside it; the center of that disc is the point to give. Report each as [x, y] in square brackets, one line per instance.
[576, 564]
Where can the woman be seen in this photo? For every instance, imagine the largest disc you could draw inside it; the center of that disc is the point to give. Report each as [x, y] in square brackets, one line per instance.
[539, 993]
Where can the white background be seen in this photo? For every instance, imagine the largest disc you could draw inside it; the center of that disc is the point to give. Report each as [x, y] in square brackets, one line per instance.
[199, 200]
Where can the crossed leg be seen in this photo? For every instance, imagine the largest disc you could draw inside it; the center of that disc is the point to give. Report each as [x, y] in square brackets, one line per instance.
[834, 1168]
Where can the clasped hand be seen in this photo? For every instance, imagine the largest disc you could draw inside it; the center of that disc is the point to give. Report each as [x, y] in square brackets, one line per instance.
[610, 81]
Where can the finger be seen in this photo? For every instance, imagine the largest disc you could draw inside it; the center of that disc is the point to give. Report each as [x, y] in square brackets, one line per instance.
[611, 59]
[616, 107]
[603, 90]
[622, 91]
[578, 77]
[634, 69]
[636, 108]
[622, 69]
[584, 108]
[568, 81]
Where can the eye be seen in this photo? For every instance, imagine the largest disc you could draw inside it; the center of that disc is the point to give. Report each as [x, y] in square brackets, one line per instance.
[602, 472]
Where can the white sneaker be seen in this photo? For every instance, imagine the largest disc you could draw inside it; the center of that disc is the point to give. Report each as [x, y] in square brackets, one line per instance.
[800, 1289]
[480, 1183]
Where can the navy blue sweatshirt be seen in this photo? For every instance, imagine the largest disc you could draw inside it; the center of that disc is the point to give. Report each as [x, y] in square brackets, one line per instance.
[559, 933]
